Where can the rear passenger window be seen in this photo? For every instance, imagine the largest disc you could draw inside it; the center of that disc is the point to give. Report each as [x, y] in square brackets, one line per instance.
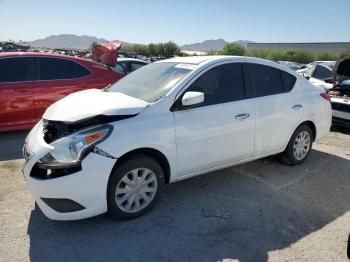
[55, 69]
[288, 81]
[321, 72]
[267, 80]
[221, 84]
[15, 69]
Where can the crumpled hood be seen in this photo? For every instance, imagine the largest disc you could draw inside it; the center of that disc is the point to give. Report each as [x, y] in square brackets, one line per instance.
[92, 102]
[106, 53]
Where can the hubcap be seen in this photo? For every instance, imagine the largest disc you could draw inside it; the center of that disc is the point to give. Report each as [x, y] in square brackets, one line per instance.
[301, 145]
[136, 190]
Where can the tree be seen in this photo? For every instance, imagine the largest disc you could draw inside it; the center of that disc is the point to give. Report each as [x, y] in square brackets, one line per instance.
[233, 49]
[152, 49]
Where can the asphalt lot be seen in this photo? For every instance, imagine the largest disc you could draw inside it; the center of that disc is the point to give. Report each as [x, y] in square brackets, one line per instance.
[260, 211]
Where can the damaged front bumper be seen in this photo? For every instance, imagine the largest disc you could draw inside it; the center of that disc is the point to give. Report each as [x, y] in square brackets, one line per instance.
[68, 193]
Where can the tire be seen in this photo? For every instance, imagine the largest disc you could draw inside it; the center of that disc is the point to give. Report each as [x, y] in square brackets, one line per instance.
[295, 154]
[134, 187]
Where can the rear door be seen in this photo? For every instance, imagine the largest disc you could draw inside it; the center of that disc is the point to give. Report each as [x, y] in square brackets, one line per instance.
[16, 93]
[54, 79]
[222, 129]
[279, 107]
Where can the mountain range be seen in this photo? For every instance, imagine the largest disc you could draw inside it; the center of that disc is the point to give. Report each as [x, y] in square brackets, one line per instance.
[67, 41]
[84, 41]
[211, 45]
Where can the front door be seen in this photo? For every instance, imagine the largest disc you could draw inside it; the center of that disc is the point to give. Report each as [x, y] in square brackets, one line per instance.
[220, 130]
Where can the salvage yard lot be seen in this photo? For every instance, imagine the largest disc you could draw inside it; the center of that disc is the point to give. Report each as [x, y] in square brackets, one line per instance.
[259, 211]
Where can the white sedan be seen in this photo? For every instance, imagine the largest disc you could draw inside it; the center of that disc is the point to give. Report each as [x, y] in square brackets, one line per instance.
[113, 150]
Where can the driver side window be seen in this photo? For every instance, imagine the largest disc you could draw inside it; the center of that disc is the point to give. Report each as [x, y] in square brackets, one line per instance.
[221, 84]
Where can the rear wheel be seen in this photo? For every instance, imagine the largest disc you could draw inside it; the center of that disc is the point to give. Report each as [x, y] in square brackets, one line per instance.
[134, 187]
[299, 146]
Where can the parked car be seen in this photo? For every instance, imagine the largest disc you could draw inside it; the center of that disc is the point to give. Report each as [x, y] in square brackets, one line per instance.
[311, 65]
[30, 82]
[292, 65]
[320, 74]
[170, 120]
[127, 65]
[340, 92]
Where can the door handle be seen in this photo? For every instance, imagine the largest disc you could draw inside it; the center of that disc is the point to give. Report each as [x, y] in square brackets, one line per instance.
[297, 107]
[242, 116]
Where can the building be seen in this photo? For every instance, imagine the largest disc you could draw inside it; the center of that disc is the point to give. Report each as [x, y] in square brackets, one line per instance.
[325, 47]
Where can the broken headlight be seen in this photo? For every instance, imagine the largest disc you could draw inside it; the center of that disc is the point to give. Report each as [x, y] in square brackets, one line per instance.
[69, 150]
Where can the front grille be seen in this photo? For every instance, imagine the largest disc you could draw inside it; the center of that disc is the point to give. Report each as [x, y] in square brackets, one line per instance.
[341, 107]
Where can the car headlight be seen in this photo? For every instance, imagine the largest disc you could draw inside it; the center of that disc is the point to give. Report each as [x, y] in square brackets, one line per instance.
[69, 150]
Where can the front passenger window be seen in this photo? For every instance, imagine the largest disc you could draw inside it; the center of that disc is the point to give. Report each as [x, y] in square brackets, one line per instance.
[221, 84]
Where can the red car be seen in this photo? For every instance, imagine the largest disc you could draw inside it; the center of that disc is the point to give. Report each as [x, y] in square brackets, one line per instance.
[30, 82]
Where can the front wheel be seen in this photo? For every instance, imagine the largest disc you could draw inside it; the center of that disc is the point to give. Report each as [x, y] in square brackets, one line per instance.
[134, 187]
[299, 146]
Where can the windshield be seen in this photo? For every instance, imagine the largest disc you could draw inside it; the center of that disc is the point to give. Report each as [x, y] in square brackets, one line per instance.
[153, 81]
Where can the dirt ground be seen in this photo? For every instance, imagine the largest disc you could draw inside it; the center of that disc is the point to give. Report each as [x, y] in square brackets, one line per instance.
[260, 211]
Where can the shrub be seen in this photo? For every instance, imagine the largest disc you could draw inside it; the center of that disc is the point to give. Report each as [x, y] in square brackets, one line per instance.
[233, 49]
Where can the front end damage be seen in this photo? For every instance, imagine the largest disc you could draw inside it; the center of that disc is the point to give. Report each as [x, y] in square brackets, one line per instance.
[64, 188]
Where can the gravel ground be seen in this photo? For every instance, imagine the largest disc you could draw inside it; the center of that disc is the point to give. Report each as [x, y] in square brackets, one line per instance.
[260, 211]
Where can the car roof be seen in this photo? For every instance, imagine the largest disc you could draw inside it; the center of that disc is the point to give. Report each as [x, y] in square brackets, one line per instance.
[120, 59]
[329, 64]
[203, 60]
[24, 54]
[206, 59]
[190, 59]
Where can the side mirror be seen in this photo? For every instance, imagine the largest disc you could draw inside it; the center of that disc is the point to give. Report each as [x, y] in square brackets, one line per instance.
[192, 98]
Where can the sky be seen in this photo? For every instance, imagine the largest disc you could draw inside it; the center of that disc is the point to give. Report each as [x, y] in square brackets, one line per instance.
[181, 21]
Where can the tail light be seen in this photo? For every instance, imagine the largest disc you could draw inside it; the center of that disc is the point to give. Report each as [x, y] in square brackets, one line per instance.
[326, 96]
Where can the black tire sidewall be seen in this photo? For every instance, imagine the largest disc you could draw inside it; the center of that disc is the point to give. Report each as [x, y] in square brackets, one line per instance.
[135, 161]
[288, 156]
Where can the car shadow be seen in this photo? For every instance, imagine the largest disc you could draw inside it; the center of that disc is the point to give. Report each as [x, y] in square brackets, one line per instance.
[240, 213]
[11, 144]
[340, 129]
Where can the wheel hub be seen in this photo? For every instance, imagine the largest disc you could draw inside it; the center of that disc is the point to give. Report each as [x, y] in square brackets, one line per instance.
[301, 145]
[136, 190]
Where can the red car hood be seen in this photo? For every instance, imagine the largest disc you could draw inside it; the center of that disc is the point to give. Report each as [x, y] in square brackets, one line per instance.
[106, 53]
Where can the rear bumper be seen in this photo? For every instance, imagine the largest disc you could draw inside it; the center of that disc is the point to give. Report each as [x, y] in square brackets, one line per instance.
[79, 195]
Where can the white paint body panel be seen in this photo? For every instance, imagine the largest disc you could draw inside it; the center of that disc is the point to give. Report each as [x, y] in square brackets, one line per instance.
[194, 141]
[321, 83]
[92, 102]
